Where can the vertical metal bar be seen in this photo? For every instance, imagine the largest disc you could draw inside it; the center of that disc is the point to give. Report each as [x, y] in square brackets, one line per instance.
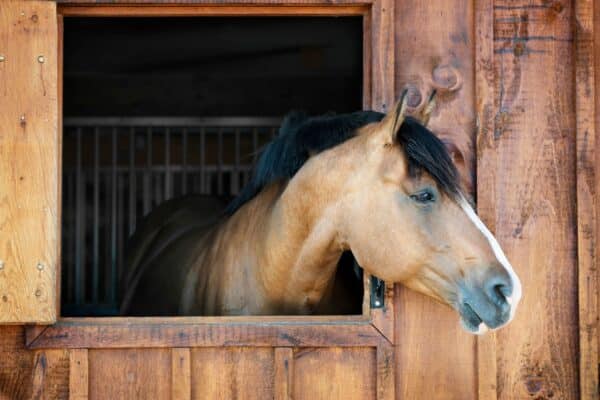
[235, 181]
[121, 221]
[132, 182]
[148, 173]
[202, 160]
[254, 144]
[113, 221]
[220, 161]
[168, 190]
[96, 238]
[71, 239]
[79, 282]
[184, 147]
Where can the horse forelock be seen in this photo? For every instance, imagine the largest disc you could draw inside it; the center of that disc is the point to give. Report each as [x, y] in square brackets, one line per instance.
[424, 151]
[301, 137]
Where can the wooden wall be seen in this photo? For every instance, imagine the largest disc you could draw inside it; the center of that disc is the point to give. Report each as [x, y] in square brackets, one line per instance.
[517, 97]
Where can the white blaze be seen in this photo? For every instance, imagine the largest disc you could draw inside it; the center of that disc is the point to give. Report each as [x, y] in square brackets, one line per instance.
[514, 298]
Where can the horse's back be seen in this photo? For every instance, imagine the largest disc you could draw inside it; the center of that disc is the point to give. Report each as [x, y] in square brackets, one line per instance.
[160, 252]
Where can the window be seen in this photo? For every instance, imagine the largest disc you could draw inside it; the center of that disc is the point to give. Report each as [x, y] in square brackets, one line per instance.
[158, 108]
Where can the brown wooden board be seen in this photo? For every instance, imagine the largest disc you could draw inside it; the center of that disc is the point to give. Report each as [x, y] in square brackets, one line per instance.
[435, 358]
[586, 198]
[29, 148]
[527, 164]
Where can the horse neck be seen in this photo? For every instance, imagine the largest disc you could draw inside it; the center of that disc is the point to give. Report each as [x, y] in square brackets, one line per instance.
[299, 247]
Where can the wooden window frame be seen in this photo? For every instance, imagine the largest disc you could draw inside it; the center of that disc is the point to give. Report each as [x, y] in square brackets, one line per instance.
[374, 327]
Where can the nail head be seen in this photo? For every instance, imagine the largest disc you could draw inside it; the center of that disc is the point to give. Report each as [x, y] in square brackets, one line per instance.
[41, 59]
[40, 266]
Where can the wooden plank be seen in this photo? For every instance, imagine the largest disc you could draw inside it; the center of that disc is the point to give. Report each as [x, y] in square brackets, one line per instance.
[284, 373]
[172, 334]
[386, 385]
[316, 8]
[181, 381]
[435, 358]
[484, 102]
[335, 373]
[28, 374]
[232, 373]
[29, 225]
[382, 53]
[587, 202]
[78, 374]
[530, 161]
[130, 374]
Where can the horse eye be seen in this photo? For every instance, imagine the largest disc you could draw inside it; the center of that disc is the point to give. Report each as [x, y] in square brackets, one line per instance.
[425, 196]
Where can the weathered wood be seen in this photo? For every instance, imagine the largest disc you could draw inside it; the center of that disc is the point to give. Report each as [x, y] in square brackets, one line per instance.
[529, 161]
[31, 374]
[434, 49]
[587, 203]
[108, 334]
[335, 373]
[29, 225]
[386, 385]
[130, 374]
[284, 373]
[78, 374]
[484, 107]
[382, 55]
[316, 8]
[181, 381]
[232, 373]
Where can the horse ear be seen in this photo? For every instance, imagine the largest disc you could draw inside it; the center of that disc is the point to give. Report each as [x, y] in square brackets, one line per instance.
[428, 109]
[392, 121]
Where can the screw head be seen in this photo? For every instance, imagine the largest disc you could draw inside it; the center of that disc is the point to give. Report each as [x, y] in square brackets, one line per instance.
[41, 59]
[2, 58]
[40, 266]
[1, 265]
[377, 303]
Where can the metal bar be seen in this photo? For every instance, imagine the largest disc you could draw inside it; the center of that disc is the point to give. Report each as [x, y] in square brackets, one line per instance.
[168, 177]
[202, 160]
[148, 173]
[96, 238]
[113, 222]
[132, 182]
[254, 144]
[172, 121]
[220, 161]
[79, 232]
[235, 180]
[184, 146]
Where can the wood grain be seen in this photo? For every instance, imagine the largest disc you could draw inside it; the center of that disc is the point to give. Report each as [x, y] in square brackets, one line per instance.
[484, 107]
[133, 334]
[78, 374]
[284, 373]
[435, 359]
[335, 373]
[29, 225]
[181, 370]
[130, 374]
[587, 202]
[31, 374]
[529, 160]
[232, 373]
[316, 8]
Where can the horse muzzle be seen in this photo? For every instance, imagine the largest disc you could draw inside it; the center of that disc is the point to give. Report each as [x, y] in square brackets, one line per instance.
[488, 303]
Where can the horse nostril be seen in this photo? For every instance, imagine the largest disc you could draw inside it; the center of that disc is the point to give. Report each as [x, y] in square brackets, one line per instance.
[498, 289]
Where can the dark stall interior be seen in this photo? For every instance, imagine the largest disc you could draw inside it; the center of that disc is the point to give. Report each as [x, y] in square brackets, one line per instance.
[158, 108]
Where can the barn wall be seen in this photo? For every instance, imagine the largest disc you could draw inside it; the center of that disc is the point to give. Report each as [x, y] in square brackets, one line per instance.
[435, 357]
[523, 92]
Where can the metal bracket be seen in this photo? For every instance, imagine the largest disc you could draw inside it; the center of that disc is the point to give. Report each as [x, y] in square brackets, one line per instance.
[377, 292]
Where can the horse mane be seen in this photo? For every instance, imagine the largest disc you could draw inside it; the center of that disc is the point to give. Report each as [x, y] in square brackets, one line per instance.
[301, 136]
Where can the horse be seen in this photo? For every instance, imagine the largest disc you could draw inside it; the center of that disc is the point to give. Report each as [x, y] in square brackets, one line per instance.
[381, 186]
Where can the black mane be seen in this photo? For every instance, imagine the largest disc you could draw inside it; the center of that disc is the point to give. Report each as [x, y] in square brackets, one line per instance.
[301, 136]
